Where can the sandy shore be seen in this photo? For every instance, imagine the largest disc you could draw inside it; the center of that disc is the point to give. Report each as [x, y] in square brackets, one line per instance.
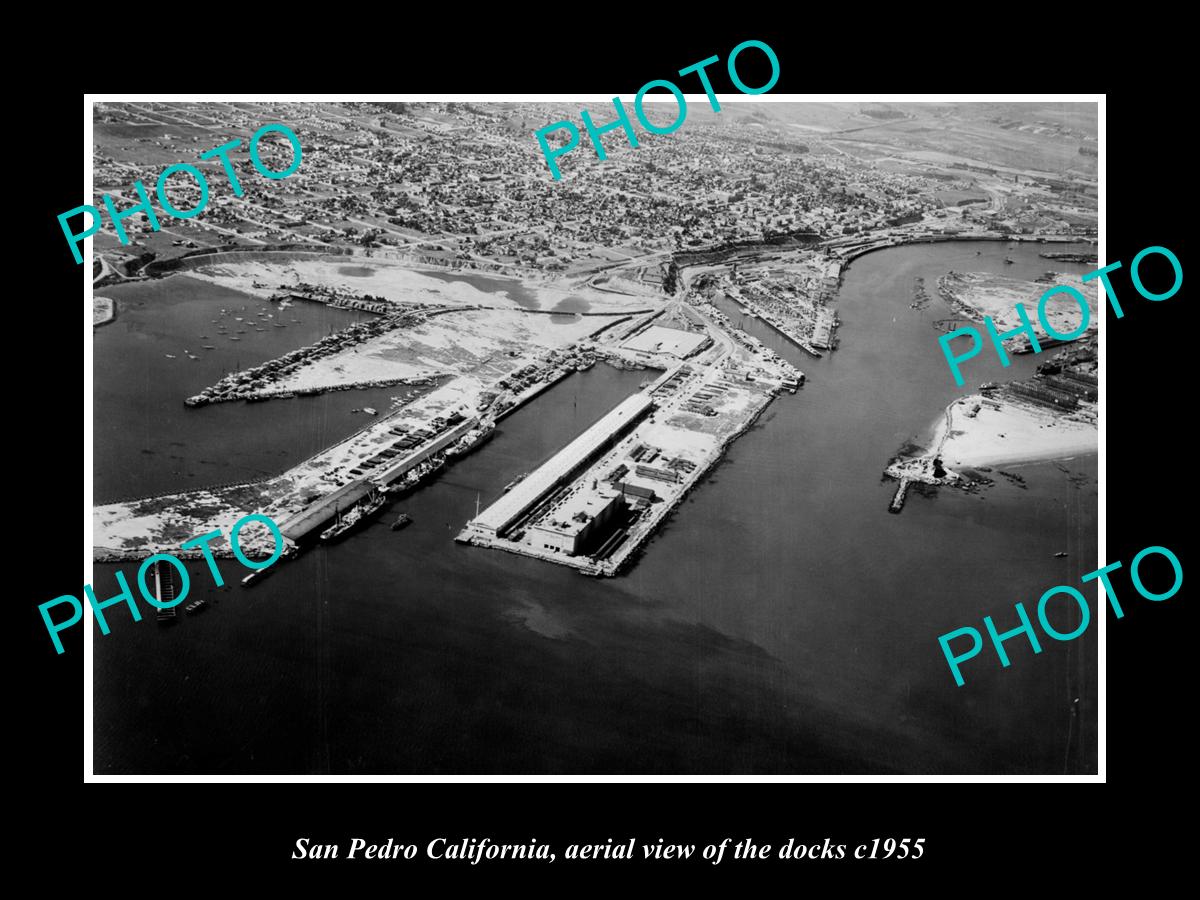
[402, 283]
[1003, 432]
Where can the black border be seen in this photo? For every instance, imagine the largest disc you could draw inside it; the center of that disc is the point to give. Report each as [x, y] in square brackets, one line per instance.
[968, 828]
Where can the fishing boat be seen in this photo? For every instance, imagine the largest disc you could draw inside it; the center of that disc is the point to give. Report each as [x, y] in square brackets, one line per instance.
[403, 521]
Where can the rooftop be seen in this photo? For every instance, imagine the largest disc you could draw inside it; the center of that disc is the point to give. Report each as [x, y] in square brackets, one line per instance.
[583, 504]
[657, 339]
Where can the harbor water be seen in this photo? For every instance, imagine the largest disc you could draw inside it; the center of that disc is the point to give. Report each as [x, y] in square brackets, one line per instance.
[781, 621]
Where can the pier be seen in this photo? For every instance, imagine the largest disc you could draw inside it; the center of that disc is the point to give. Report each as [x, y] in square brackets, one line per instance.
[595, 504]
[498, 519]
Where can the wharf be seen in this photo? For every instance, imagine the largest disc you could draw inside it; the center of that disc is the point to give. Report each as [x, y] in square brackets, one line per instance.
[533, 391]
[316, 514]
[581, 462]
[804, 345]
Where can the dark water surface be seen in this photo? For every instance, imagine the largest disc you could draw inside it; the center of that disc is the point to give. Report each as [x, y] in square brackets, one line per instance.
[782, 621]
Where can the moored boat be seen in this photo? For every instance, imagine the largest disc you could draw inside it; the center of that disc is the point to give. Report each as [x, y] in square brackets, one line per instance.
[358, 515]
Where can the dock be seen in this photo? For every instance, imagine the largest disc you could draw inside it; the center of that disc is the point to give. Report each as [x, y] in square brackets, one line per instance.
[499, 518]
[317, 513]
[595, 504]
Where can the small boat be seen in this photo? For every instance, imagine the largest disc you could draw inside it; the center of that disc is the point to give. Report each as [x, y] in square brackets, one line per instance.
[169, 355]
[209, 347]
[1060, 554]
[234, 338]
[403, 521]
[370, 411]
[1008, 260]
[512, 484]
[196, 606]
[256, 575]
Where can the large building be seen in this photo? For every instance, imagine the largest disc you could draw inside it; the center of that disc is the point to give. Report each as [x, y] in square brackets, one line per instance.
[571, 525]
[673, 341]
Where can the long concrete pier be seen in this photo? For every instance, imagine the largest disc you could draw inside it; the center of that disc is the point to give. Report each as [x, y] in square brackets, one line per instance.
[558, 470]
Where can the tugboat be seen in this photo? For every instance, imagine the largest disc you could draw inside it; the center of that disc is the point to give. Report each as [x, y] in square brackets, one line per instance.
[403, 521]
[358, 515]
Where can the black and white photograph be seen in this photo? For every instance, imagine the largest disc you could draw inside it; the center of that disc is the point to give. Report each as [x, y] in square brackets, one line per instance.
[590, 437]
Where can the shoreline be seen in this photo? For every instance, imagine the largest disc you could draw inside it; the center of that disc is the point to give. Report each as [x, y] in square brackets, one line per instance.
[851, 255]
[975, 442]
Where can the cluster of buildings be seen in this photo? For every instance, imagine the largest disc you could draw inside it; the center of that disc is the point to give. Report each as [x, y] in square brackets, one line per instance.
[464, 183]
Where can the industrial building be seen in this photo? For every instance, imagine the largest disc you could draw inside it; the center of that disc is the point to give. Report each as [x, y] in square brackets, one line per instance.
[494, 521]
[571, 525]
[673, 341]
